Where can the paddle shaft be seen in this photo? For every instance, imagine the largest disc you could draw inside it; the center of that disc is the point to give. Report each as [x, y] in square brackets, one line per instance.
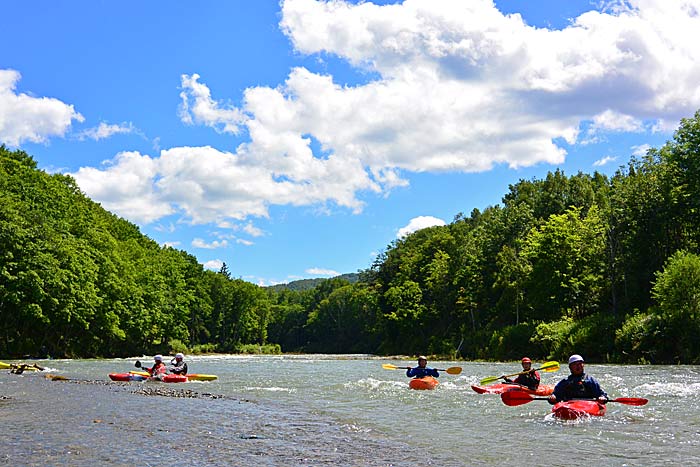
[544, 367]
[409, 367]
[519, 398]
[547, 366]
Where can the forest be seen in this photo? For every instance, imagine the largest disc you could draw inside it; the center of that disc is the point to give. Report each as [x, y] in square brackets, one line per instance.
[607, 267]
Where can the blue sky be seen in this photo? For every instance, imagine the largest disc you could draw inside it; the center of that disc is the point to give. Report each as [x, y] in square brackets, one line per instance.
[298, 139]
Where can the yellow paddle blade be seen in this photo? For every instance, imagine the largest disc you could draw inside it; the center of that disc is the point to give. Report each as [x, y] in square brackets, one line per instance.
[389, 366]
[550, 367]
[489, 380]
[454, 370]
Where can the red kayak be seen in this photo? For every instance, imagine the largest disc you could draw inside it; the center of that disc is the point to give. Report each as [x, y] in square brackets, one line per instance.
[500, 388]
[126, 377]
[571, 410]
[426, 382]
[134, 377]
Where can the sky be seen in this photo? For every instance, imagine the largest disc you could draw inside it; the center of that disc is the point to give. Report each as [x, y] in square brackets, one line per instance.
[299, 139]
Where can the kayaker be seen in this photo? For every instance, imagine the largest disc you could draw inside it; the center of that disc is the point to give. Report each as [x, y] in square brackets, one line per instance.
[422, 369]
[178, 365]
[578, 385]
[531, 379]
[158, 370]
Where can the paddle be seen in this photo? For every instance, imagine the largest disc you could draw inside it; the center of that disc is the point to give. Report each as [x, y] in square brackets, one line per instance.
[548, 367]
[453, 370]
[514, 398]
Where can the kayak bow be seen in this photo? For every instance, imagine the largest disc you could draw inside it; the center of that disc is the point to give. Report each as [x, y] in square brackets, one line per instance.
[574, 409]
[426, 382]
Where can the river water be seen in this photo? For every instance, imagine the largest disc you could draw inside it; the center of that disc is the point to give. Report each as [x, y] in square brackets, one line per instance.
[335, 410]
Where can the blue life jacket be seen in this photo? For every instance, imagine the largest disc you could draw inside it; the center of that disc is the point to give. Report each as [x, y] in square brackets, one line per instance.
[578, 387]
[419, 372]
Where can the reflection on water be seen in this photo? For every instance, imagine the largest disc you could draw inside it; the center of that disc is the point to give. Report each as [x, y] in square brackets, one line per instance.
[320, 410]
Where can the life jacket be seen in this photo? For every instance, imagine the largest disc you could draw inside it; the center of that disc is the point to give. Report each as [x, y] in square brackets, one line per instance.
[158, 369]
[529, 380]
[578, 387]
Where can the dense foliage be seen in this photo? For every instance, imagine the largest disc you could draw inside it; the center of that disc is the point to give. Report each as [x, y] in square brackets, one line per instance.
[608, 267]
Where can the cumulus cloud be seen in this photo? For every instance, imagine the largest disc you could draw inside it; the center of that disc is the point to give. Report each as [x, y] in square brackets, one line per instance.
[197, 106]
[213, 265]
[27, 118]
[456, 86]
[418, 223]
[127, 186]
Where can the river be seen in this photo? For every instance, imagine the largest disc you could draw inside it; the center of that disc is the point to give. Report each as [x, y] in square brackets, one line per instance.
[310, 410]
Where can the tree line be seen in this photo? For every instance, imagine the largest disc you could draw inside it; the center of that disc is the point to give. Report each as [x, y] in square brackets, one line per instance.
[608, 267]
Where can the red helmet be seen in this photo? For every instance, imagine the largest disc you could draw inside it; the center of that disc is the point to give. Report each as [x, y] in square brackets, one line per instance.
[526, 360]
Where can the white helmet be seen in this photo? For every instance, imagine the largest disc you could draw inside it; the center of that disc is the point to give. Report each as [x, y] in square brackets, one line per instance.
[575, 358]
[179, 356]
[158, 358]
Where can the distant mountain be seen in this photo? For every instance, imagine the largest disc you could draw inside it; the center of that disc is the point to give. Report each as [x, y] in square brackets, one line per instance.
[307, 284]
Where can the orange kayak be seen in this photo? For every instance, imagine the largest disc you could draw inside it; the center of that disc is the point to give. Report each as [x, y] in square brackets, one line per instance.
[427, 382]
[500, 388]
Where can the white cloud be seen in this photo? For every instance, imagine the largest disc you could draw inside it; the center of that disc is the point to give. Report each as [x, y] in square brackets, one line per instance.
[198, 107]
[244, 242]
[199, 243]
[457, 87]
[322, 272]
[213, 265]
[28, 118]
[126, 186]
[610, 120]
[171, 244]
[640, 150]
[604, 161]
[253, 231]
[105, 130]
[418, 223]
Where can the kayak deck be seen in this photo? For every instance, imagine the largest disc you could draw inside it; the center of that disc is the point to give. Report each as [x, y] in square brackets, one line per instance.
[500, 388]
[574, 409]
[427, 382]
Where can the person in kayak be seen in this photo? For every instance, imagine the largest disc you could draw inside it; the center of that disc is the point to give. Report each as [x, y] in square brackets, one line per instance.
[158, 370]
[422, 369]
[530, 380]
[178, 365]
[578, 385]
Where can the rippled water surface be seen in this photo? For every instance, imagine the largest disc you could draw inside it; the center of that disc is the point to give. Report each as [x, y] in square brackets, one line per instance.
[330, 410]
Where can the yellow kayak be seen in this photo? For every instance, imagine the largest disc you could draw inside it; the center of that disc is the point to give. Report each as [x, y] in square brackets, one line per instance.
[17, 366]
[190, 376]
